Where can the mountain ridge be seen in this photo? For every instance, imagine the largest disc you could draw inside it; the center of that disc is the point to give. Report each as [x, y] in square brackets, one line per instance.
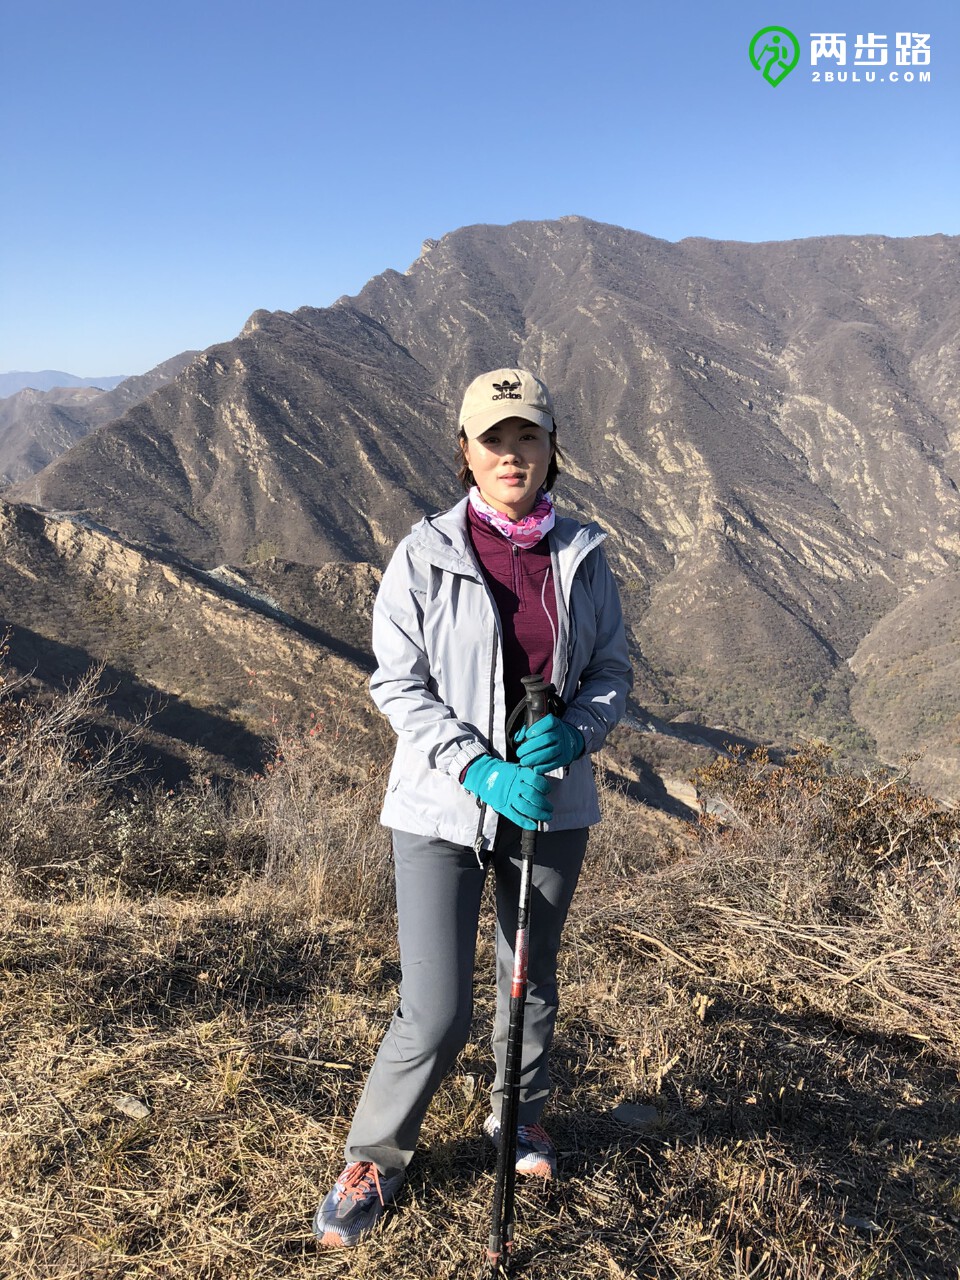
[768, 431]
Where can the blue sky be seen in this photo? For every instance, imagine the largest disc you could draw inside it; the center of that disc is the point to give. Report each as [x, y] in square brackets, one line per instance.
[169, 168]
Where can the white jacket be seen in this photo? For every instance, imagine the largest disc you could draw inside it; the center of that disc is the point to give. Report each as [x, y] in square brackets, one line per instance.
[439, 679]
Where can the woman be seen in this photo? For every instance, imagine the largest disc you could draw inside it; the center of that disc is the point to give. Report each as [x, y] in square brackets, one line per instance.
[475, 598]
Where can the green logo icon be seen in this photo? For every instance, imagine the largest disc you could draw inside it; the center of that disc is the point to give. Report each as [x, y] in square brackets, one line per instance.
[775, 51]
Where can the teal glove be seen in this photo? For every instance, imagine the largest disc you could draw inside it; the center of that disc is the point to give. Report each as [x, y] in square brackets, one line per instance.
[512, 790]
[548, 744]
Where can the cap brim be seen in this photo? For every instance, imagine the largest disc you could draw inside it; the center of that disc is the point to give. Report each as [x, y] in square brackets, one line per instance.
[481, 422]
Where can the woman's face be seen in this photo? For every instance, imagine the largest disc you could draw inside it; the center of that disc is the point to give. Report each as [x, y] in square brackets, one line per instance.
[509, 463]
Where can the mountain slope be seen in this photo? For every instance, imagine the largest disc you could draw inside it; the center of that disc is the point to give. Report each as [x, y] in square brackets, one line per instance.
[768, 431]
[908, 684]
[212, 655]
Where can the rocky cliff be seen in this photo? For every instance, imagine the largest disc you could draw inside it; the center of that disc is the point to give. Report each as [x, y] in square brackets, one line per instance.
[211, 655]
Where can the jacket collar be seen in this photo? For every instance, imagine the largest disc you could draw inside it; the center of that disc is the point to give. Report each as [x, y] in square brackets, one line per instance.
[442, 539]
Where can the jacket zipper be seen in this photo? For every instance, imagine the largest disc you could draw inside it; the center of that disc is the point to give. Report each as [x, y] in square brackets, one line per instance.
[483, 804]
[563, 593]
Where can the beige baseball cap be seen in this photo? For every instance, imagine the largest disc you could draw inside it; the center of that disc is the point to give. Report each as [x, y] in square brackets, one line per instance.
[505, 393]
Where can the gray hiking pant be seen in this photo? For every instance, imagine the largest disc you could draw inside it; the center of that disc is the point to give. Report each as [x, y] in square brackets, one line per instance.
[439, 886]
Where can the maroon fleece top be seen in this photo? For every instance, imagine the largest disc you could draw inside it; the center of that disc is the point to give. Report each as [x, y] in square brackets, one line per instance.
[521, 583]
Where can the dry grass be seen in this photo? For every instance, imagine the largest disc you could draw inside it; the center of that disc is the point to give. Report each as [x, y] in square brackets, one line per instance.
[316, 812]
[838, 890]
[749, 983]
[51, 779]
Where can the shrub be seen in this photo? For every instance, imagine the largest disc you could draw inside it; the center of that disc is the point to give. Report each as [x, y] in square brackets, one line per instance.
[814, 828]
[198, 839]
[317, 807]
[77, 816]
[54, 785]
[841, 887]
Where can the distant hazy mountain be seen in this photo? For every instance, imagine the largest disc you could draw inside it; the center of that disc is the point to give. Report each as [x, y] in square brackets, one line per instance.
[37, 426]
[768, 432]
[47, 379]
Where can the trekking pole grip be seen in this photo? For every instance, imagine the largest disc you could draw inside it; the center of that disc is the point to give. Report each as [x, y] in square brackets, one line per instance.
[537, 695]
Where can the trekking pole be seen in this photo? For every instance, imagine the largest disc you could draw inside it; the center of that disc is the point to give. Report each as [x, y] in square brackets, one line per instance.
[502, 1218]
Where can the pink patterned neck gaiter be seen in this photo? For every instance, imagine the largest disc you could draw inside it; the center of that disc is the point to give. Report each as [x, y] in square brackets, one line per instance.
[526, 532]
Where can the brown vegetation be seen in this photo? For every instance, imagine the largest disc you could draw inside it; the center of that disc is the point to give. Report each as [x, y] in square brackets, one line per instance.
[773, 994]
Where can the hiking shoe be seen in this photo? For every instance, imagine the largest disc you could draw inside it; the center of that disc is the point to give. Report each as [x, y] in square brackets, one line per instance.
[353, 1206]
[536, 1153]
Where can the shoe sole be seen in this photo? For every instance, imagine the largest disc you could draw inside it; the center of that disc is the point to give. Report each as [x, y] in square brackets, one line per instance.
[333, 1240]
